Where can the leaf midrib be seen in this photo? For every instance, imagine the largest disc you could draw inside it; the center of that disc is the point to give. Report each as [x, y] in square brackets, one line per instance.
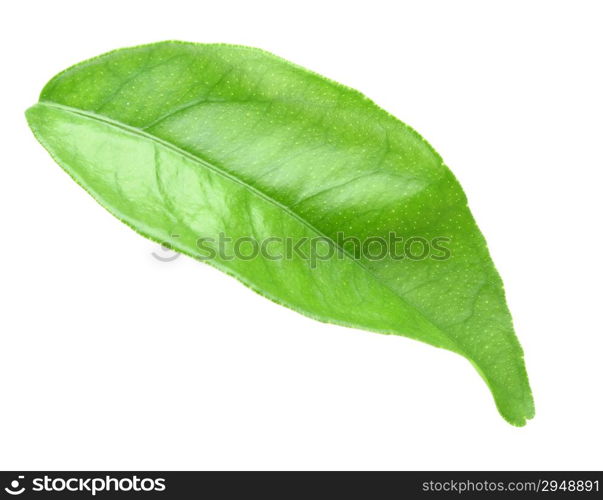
[143, 134]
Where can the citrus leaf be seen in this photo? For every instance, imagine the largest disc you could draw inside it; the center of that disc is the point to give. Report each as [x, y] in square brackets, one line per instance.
[215, 149]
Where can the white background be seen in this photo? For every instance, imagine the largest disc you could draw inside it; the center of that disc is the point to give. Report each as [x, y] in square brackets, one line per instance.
[111, 359]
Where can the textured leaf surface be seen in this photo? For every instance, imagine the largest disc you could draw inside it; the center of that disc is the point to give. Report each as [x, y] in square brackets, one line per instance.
[185, 141]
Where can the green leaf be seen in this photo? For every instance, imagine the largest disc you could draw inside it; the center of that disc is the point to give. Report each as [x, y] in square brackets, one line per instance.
[184, 142]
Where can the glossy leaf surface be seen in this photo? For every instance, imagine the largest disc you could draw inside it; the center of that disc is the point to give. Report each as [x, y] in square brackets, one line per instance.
[186, 141]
